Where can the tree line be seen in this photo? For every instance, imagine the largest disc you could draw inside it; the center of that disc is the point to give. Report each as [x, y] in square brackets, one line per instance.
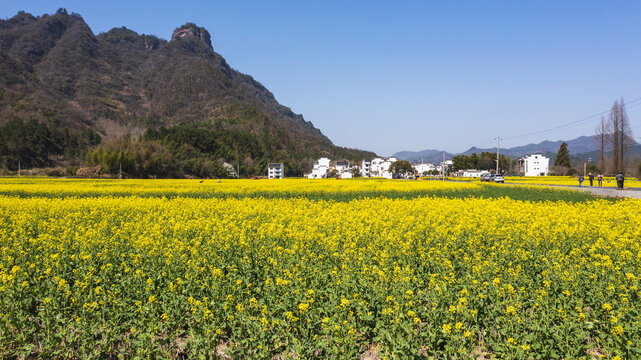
[614, 138]
[484, 161]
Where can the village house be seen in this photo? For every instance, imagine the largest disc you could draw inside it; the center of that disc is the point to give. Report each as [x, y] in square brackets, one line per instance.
[471, 173]
[276, 171]
[380, 167]
[534, 165]
[366, 167]
[321, 169]
[423, 168]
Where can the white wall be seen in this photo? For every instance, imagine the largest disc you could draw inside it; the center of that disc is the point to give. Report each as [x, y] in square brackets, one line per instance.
[536, 165]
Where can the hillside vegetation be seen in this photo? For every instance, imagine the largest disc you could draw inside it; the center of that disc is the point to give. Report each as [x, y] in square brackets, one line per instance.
[135, 93]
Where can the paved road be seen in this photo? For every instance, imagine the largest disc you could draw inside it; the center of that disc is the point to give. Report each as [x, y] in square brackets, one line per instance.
[634, 193]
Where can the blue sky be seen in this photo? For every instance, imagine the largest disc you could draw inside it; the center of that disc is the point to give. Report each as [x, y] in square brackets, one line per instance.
[388, 76]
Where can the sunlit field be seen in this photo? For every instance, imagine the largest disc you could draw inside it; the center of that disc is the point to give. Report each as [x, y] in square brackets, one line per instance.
[304, 269]
[337, 190]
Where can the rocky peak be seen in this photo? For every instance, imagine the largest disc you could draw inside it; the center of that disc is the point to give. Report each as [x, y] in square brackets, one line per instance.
[190, 29]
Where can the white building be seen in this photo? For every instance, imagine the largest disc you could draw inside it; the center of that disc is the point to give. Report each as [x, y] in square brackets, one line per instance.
[423, 168]
[380, 167]
[344, 170]
[276, 171]
[375, 167]
[342, 166]
[346, 174]
[366, 168]
[321, 169]
[534, 165]
[445, 166]
[473, 173]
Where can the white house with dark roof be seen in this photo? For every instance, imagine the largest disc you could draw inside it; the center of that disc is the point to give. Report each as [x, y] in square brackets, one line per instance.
[343, 169]
[342, 166]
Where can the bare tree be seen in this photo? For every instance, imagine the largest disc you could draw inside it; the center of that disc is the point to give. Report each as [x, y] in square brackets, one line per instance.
[602, 132]
[621, 138]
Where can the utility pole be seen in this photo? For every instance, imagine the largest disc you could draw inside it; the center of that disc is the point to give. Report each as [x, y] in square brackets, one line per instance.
[498, 145]
[120, 172]
[18, 168]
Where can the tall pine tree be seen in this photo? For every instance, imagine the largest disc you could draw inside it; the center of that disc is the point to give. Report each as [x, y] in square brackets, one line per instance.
[563, 156]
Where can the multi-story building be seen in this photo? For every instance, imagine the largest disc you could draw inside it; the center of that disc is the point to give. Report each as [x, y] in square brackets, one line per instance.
[276, 171]
[343, 170]
[534, 165]
[366, 168]
[445, 167]
[380, 167]
[321, 169]
[342, 166]
[423, 168]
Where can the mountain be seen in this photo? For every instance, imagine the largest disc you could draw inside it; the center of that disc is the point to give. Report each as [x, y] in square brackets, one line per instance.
[427, 156]
[580, 145]
[58, 80]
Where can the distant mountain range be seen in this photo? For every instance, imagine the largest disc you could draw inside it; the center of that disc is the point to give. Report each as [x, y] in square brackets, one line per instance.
[581, 147]
[429, 155]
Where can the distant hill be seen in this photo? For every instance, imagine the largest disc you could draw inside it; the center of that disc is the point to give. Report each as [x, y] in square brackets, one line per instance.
[578, 146]
[429, 155]
[634, 152]
[58, 79]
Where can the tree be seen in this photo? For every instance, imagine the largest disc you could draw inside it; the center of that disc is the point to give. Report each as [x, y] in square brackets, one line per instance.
[401, 168]
[592, 168]
[487, 161]
[563, 156]
[621, 137]
[602, 132]
[461, 162]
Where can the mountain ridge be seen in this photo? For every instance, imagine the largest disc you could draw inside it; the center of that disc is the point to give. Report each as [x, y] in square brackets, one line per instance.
[56, 71]
[576, 146]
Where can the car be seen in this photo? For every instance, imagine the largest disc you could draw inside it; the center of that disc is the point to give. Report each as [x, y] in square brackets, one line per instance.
[485, 177]
[498, 179]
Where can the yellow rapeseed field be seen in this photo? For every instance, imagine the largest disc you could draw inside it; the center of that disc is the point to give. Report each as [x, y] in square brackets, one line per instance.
[290, 269]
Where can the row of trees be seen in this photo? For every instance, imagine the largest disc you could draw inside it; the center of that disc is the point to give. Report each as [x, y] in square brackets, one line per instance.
[614, 136]
[484, 161]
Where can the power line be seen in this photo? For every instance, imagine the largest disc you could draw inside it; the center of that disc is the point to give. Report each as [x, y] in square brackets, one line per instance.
[629, 104]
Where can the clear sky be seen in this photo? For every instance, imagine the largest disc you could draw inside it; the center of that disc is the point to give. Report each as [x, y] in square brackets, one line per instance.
[388, 76]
